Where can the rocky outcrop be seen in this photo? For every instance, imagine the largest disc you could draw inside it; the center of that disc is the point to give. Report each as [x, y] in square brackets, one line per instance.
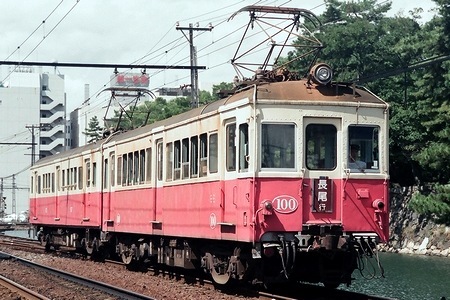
[412, 233]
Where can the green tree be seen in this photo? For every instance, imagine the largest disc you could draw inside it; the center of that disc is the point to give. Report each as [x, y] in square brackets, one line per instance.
[150, 112]
[93, 131]
[433, 108]
[159, 109]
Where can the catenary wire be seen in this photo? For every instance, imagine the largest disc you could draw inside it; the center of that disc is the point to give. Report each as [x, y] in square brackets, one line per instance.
[42, 40]
[34, 31]
[174, 45]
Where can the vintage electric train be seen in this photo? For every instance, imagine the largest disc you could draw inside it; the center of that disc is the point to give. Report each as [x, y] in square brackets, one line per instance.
[284, 179]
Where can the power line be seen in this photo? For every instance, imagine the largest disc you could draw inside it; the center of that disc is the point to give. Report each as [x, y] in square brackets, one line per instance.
[175, 44]
[99, 66]
[34, 31]
[35, 47]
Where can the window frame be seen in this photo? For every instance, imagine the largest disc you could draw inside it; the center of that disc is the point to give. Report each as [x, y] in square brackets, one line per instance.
[269, 157]
[319, 158]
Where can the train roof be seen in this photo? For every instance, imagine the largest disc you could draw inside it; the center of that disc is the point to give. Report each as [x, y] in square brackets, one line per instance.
[274, 92]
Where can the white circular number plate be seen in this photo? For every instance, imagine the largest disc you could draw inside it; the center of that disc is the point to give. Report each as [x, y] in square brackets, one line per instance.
[285, 204]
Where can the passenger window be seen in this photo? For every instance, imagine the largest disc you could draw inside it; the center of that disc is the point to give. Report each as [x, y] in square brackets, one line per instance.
[278, 146]
[39, 185]
[231, 147]
[185, 158]
[112, 169]
[363, 148]
[136, 167]
[130, 169]
[80, 178]
[148, 165]
[105, 173]
[88, 173]
[159, 155]
[213, 154]
[321, 147]
[119, 170]
[177, 160]
[243, 147]
[169, 156]
[194, 156]
[203, 155]
[58, 178]
[74, 176]
[124, 169]
[141, 179]
[94, 173]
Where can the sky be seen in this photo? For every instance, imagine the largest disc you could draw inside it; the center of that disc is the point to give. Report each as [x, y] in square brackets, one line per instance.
[133, 31]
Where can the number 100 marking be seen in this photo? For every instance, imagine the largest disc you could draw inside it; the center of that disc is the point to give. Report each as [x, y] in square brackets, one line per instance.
[285, 204]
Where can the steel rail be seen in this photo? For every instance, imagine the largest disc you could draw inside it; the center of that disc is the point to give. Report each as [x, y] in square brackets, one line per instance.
[101, 286]
[311, 289]
[21, 290]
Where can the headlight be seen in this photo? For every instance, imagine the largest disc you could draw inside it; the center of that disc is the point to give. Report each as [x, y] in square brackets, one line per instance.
[321, 74]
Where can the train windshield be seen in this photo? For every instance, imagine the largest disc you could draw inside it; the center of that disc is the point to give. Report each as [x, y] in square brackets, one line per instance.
[321, 146]
[363, 148]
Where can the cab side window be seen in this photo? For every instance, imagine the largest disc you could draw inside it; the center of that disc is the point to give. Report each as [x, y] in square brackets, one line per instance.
[363, 148]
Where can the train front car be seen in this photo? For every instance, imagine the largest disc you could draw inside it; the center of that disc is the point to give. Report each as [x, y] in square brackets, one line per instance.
[321, 189]
[318, 150]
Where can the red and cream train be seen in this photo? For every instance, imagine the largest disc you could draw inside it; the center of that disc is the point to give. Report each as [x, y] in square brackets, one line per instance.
[284, 179]
[258, 185]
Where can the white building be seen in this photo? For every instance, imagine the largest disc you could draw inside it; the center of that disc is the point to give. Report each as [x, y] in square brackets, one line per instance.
[30, 103]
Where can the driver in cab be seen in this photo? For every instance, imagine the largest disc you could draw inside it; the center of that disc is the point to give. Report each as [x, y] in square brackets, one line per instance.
[353, 159]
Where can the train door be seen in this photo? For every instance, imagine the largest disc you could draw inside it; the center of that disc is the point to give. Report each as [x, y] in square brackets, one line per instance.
[108, 183]
[56, 195]
[33, 199]
[229, 182]
[322, 161]
[87, 176]
[158, 191]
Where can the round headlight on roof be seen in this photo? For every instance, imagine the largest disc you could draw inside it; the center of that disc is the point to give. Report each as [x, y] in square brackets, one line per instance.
[321, 74]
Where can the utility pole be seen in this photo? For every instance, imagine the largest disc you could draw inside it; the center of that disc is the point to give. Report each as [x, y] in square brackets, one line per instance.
[193, 55]
[13, 199]
[33, 141]
[2, 206]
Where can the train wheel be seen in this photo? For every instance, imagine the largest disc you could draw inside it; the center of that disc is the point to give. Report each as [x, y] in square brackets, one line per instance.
[126, 259]
[91, 247]
[218, 269]
[47, 243]
[127, 253]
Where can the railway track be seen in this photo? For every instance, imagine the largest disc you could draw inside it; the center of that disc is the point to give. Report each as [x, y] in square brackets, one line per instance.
[21, 291]
[303, 292]
[107, 289]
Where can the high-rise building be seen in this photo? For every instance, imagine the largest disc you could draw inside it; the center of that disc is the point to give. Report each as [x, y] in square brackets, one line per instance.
[32, 125]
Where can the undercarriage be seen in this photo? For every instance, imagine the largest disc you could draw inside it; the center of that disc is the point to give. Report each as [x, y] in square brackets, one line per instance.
[315, 255]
